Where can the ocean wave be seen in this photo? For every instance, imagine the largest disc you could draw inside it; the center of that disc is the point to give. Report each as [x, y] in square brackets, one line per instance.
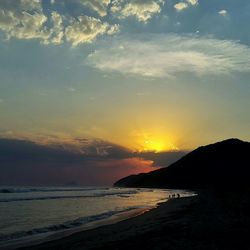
[94, 195]
[31, 190]
[63, 226]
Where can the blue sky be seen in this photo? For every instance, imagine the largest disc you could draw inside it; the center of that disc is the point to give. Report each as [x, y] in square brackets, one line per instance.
[100, 89]
[131, 72]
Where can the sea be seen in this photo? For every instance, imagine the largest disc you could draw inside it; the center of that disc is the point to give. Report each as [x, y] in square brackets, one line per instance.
[37, 213]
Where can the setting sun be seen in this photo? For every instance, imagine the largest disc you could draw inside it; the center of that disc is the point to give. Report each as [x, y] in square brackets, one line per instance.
[156, 143]
[158, 146]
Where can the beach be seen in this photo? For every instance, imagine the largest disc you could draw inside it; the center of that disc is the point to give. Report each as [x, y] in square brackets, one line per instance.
[129, 232]
[69, 210]
[206, 221]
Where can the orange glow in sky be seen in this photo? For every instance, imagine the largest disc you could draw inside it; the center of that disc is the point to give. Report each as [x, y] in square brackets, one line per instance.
[154, 142]
[156, 145]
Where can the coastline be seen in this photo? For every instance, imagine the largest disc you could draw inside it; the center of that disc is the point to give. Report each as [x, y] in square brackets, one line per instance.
[116, 229]
[211, 220]
[53, 236]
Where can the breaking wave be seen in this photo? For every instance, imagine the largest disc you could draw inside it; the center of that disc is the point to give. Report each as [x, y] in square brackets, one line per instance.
[63, 226]
[81, 194]
[32, 190]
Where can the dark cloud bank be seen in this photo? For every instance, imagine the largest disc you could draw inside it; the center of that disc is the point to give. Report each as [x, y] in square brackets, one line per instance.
[23, 162]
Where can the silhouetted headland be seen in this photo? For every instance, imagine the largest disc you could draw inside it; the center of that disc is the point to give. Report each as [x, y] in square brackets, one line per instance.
[217, 166]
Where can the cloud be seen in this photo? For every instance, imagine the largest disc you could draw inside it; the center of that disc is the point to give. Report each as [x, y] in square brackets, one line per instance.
[26, 19]
[99, 6]
[95, 162]
[57, 32]
[162, 159]
[193, 2]
[27, 4]
[181, 6]
[86, 29]
[143, 10]
[184, 5]
[167, 55]
[71, 89]
[23, 19]
[222, 12]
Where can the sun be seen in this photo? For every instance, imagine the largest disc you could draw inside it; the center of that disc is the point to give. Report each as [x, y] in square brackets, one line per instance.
[153, 140]
[155, 143]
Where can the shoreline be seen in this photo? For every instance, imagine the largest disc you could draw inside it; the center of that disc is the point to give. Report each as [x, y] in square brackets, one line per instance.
[30, 241]
[115, 229]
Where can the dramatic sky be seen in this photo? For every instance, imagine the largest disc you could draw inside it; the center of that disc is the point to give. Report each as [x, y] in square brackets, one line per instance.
[141, 75]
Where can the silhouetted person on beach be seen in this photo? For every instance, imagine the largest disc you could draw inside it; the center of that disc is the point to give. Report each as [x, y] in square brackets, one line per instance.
[178, 196]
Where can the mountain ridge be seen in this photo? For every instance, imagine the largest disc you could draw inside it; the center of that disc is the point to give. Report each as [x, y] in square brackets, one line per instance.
[217, 165]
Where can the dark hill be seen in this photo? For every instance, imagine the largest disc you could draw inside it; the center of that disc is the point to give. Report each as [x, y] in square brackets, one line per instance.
[221, 165]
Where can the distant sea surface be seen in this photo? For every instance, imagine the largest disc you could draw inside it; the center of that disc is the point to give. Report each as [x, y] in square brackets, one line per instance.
[40, 211]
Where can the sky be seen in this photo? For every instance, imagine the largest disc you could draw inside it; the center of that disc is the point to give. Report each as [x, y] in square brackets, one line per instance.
[152, 75]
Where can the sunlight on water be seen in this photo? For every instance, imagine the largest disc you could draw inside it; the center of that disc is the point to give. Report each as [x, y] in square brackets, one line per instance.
[32, 211]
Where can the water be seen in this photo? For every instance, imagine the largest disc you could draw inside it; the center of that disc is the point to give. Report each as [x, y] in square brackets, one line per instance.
[36, 211]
